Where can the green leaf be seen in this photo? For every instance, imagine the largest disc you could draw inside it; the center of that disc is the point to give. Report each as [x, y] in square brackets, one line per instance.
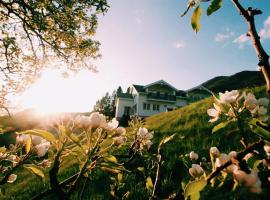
[3, 149]
[260, 128]
[111, 158]
[214, 6]
[165, 140]
[28, 144]
[193, 189]
[38, 172]
[44, 134]
[221, 125]
[195, 19]
[149, 183]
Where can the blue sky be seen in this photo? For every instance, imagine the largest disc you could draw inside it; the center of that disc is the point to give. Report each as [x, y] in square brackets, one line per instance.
[143, 41]
[146, 40]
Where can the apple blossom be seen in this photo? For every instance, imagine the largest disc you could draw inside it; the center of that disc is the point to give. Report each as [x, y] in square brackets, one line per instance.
[42, 148]
[12, 178]
[214, 152]
[193, 155]
[120, 131]
[119, 140]
[97, 120]
[263, 102]
[214, 113]
[196, 171]
[267, 149]
[228, 97]
[144, 137]
[112, 125]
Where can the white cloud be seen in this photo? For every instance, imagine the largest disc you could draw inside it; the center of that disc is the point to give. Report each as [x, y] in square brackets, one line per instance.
[265, 31]
[179, 45]
[222, 37]
[241, 40]
[138, 16]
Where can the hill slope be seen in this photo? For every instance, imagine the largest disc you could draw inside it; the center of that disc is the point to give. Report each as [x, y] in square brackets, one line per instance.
[240, 80]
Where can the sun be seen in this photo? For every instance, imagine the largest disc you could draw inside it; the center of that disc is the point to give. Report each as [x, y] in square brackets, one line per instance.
[53, 93]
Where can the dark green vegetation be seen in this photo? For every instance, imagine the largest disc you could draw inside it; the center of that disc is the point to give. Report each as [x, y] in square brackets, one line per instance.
[239, 80]
[193, 133]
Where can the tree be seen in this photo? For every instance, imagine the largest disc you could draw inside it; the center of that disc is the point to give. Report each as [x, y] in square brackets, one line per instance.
[249, 15]
[106, 105]
[36, 33]
[119, 90]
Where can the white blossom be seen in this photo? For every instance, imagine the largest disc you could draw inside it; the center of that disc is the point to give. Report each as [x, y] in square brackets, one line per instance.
[42, 148]
[12, 178]
[119, 140]
[144, 137]
[120, 131]
[228, 97]
[112, 125]
[267, 149]
[214, 113]
[251, 180]
[214, 152]
[196, 171]
[193, 155]
[97, 120]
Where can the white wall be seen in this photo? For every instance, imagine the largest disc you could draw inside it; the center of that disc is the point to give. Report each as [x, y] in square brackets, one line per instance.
[163, 105]
[121, 103]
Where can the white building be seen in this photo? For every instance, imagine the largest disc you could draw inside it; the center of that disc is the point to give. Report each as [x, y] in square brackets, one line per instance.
[154, 98]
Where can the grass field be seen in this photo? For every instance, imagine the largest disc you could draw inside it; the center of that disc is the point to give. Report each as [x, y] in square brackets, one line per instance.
[193, 133]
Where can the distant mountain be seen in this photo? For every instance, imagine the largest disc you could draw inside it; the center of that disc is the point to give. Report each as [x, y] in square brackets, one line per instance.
[239, 80]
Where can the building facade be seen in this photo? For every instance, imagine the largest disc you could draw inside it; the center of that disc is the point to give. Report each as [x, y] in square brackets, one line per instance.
[148, 100]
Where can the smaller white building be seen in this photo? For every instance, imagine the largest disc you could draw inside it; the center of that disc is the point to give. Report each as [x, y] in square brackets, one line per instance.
[151, 99]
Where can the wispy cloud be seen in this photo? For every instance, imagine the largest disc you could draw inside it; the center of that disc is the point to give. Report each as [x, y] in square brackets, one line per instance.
[265, 31]
[241, 40]
[264, 34]
[223, 37]
[139, 15]
[179, 45]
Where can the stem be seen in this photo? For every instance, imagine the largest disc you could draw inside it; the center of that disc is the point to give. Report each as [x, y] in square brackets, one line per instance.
[54, 183]
[239, 157]
[157, 177]
[253, 34]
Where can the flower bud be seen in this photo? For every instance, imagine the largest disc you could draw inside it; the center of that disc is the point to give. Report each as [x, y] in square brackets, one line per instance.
[267, 149]
[12, 178]
[42, 148]
[196, 171]
[120, 131]
[193, 155]
[214, 152]
[232, 154]
[119, 140]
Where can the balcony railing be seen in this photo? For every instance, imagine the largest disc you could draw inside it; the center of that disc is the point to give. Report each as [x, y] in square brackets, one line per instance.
[166, 97]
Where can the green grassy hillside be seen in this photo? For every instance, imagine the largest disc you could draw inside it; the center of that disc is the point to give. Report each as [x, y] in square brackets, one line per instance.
[193, 133]
[193, 130]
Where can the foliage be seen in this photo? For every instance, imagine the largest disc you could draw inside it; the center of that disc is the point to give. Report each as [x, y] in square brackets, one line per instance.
[106, 105]
[39, 33]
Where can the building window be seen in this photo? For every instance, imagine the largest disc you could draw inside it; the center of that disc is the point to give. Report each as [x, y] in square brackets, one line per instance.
[156, 107]
[146, 106]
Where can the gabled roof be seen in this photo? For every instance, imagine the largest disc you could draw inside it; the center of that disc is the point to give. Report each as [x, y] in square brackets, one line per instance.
[139, 88]
[161, 82]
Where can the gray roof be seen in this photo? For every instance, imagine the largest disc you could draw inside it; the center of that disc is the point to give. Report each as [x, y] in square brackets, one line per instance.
[125, 95]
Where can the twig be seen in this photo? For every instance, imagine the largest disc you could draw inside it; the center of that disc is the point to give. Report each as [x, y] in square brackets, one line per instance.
[253, 34]
[239, 157]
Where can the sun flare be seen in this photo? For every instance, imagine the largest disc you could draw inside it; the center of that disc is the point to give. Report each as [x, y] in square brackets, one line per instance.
[53, 93]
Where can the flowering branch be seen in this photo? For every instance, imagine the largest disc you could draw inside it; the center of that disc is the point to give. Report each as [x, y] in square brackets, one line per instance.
[252, 33]
[239, 157]
[5, 178]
